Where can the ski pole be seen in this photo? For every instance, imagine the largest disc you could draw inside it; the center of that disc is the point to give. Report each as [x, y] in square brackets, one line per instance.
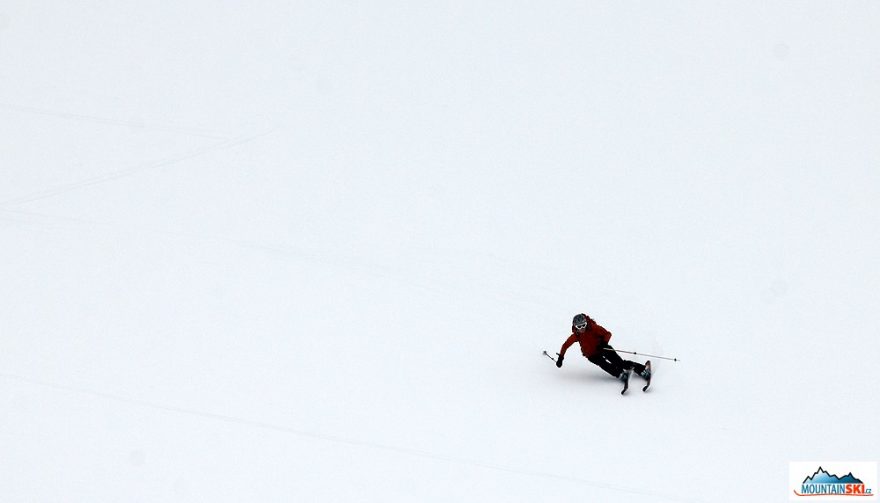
[640, 354]
[548, 356]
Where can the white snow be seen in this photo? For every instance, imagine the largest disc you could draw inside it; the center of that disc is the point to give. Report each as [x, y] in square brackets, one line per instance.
[312, 251]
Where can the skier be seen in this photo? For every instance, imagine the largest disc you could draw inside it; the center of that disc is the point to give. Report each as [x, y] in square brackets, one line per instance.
[593, 339]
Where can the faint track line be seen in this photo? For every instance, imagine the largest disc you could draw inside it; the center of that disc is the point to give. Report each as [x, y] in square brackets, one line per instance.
[322, 257]
[111, 122]
[250, 423]
[115, 175]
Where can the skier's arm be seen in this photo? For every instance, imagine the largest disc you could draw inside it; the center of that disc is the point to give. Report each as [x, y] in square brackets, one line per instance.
[567, 344]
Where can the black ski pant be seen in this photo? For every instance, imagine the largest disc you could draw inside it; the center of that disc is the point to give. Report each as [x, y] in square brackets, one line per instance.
[612, 363]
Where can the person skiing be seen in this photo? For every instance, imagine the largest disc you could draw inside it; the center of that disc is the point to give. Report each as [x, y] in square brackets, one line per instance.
[593, 339]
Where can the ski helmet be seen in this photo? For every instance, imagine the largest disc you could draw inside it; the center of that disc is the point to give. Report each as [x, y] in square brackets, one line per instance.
[579, 321]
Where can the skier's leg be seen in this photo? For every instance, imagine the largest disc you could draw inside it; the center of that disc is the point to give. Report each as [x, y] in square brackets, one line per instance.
[611, 355]
[637, 367]
[615, 358]
[610, 367]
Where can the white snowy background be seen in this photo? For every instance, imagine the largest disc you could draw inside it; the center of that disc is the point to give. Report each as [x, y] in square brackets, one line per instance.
[312, 251]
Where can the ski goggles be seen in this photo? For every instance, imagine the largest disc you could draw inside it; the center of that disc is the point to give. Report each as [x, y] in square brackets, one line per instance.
[581, 326]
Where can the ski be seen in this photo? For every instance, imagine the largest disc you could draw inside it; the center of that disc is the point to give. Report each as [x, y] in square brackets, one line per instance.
[648, 377]
[625, 378]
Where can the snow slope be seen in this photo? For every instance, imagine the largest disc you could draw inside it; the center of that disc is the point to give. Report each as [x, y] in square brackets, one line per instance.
[313, 251]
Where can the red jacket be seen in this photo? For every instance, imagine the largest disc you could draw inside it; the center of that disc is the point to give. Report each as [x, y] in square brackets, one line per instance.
[589, 340]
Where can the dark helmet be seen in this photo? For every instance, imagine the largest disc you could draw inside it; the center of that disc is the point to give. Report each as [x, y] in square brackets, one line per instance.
[579, 321]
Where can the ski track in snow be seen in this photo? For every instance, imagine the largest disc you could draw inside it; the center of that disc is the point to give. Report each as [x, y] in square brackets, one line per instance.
[329, 258]
[249, 423]
[123, 173]
[113, 122]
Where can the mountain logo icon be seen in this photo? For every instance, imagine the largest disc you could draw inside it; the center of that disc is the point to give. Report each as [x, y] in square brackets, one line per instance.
[823, 477]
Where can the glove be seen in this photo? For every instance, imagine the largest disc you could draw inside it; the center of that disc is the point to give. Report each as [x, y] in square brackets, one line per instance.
[559, 362]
